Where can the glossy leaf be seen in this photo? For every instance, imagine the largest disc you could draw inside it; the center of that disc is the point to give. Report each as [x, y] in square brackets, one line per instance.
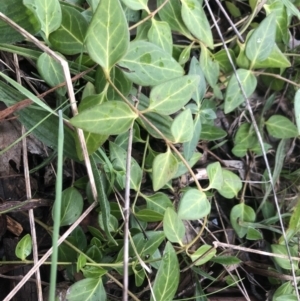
[143, 246]
[182, 127]
[89, 289]
[167, 98]
[122, 83]
[171, 13]
[160, 34]
[281, 127]
[24, 247]
[48, 13]
[294, 223]
[173, 226]
[148, 65]
[211, 132]
[226, 260]
[203, 254]
[215, 175]
[164, 168]
[196, 21]
[109, 118]
[158, 202]
[262, 40]
[297, 109]
[107, 38]
[137, 4]
[210, 68]
[241, 212]
[69, 37]
[19, 13]
[276, 59]
[71, 206]
[167, 277]
[232, 184]
[284, 262]
[195, 69]
[147, 215]
[189, 147]
[193, 205]
[51, 71]
[282, 33]
[118, 158]
[234, 96]
[93, 142]
[286, 289]
[103, 200]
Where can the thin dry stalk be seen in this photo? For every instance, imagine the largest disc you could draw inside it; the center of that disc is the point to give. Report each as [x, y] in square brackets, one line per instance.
[29, 196]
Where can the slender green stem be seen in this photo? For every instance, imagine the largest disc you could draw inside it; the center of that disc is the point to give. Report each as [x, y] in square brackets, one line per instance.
[57, 207]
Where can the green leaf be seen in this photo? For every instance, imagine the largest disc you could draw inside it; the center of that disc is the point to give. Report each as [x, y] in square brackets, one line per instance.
[281, 127]
[276, 59]
[94, 253]
[160, 34]
[297, 109]
[189, 147]
[102, 198]
[234, 96]
[48, 13]
[71, 206]
[51, 71]
[196, 21]
[283, 290]
[81, 262]
[254, 234]
[167, 277]
[262, 40]
[171, 13]
[215, 175]
[195, 69]
[284, 262]
[241, 212]
[167, 98]
[69, 37]
[204, 253]
[164, 168]
[210, 68]
[193, 205]
[89, 289]
[294, 223]
[24, 247]
[173, 226]
[145, 245]
[118, 158]
[182, 127]
[19, 13]
[226, 260]
[157, 202]
[147, 215]
[136, 4]
[109, 118]
[93, 142]
[282, 23]
[232, 184]
[122, 83]
[210, 132]
[149, 65]
[185, 55]
[112, 224]
[108, 35]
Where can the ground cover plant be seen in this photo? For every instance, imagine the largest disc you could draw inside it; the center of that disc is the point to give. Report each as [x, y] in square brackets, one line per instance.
[159, 149]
